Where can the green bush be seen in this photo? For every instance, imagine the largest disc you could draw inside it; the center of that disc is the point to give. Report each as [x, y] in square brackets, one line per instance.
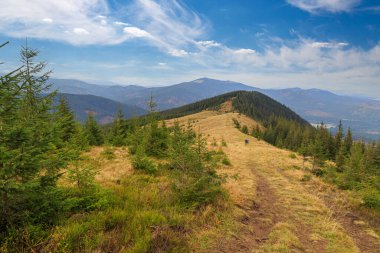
[226, 161]
[245, 130]
[143, 163]
[200, 191]
[371, 198]
[236, 123]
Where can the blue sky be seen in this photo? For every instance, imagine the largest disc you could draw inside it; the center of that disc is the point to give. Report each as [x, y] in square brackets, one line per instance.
[327, 44]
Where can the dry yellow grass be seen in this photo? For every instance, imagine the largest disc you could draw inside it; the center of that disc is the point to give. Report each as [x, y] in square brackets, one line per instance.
[274, 210]
[298, 220]
[110, 170]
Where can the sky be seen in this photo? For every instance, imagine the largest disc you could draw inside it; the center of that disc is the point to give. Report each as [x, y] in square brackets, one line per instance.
[326, 44]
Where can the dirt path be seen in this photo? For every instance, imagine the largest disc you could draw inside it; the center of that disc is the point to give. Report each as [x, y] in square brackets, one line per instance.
[279, 208]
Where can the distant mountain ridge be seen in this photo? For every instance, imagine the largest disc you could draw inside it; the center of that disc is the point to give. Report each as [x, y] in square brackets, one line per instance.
[314, 105]
[103, 109]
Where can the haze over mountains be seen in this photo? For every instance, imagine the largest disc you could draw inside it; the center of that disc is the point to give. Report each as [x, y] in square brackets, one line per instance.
[314, 105]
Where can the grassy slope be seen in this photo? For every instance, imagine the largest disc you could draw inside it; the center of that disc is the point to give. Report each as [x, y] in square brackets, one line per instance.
[254, 104]
[276, 208]
[280, 208]
[140, 213]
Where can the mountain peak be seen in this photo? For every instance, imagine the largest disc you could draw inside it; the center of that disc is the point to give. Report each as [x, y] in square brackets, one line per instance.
[205, 79]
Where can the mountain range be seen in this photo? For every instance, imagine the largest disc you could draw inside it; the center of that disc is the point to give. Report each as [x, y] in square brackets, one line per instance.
[104, 109]
[362, 115]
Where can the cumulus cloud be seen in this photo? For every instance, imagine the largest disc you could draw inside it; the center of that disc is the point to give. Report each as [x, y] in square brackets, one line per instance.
[314, 6]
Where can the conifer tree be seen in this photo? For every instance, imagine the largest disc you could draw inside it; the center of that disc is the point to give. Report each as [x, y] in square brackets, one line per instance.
[66, 120]
[348, 141]
[29, 158]
[340, 158]
[339, 136]
[79, 140]
[354, 166]
[118, 129]
[93, 132]
[376, 159]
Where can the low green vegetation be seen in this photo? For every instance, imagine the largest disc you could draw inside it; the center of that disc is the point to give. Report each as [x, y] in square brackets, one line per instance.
[50, 200]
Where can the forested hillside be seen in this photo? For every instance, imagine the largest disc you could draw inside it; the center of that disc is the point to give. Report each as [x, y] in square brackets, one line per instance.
[356, 163]
[254, 104]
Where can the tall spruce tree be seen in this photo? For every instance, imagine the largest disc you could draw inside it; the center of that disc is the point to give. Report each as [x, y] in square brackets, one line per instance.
[348, 141]
[29, 157]
[339, 136]
[65, 120]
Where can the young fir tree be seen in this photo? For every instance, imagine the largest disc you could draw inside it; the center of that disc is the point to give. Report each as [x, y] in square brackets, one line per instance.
[93, 132]
[340, 158]
[339, 137]
[348, 141]
[79, 140]
[317, 148]
[65, 120]
[29, 158]
[118, 129]
[354, 172]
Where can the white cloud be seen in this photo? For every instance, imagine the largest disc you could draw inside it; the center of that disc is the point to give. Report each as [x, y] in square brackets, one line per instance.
[174, 28]
[121, 23]
[136, 32]
[244, 51]
[78, 22]
[315, 6]
[329, 44]
[208, 43]
[169, 25]
[178, 53]
[80, 31]
[47, 20]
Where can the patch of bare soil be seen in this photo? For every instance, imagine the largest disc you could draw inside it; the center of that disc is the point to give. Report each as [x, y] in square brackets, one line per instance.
[257, 222]
[265, 213]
